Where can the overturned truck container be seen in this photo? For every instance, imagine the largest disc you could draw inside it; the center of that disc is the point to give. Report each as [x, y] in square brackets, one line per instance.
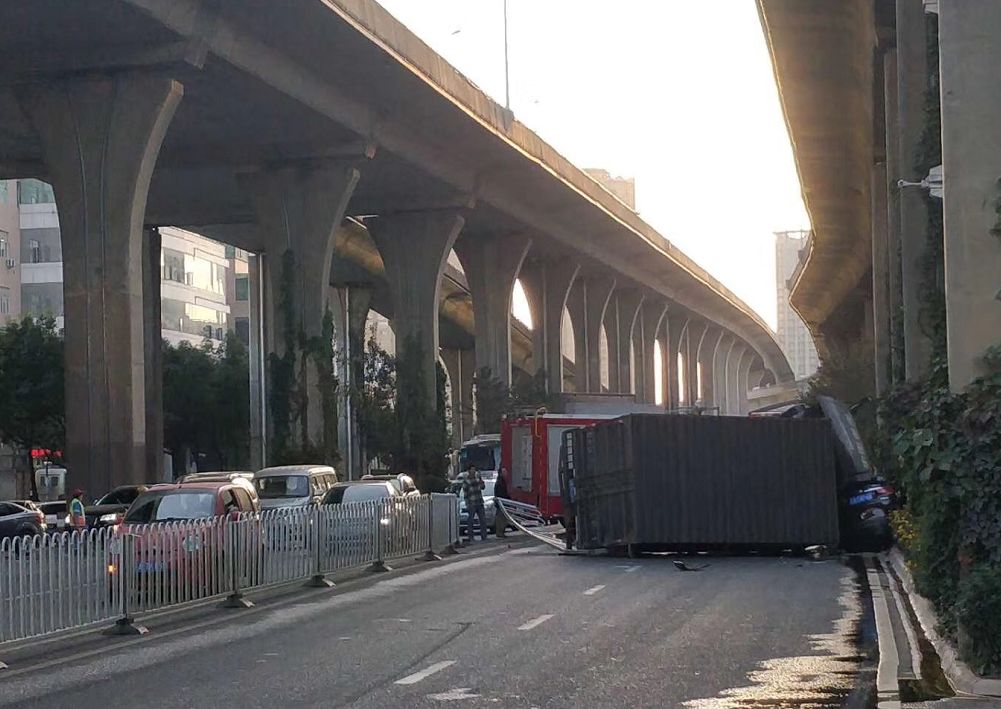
[668, 482]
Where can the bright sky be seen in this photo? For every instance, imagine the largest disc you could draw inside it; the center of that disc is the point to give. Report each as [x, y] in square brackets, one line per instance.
[675, 93]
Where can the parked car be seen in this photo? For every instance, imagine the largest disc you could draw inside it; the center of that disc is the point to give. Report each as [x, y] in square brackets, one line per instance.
[359, 529]
[293, 485]
[177, 530]
[18, 521]
[402, 482]
[56, 516]
[110, 509]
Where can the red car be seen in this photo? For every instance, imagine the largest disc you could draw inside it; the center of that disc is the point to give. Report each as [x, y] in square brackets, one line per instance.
[176, 538]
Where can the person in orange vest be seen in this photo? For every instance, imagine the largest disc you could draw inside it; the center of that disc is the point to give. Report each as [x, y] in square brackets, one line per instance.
[77, 516]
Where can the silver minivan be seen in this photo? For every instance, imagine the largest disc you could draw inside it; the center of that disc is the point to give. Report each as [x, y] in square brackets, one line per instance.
[293, 485]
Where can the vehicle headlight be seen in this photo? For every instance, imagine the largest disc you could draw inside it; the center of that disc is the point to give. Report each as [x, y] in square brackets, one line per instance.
[66, 520]
[109, 518]
[384, 521]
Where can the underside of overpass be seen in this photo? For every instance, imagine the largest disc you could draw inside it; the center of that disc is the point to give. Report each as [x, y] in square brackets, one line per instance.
[325, 137]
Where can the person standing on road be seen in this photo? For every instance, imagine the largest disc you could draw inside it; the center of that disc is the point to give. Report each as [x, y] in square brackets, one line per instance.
[472, 490]
[500, 493]
[77, 516]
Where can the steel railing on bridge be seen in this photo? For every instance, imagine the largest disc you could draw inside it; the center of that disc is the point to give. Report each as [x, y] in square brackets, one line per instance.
[66, 581]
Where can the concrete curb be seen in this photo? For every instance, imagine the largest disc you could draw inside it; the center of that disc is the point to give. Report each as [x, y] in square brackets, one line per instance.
[959, 674]
[887, 683]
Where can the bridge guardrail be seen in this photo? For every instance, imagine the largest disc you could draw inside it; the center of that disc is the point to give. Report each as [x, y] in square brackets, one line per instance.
[66, 581]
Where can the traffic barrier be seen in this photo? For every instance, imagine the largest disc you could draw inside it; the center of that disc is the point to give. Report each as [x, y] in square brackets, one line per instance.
[67, 581]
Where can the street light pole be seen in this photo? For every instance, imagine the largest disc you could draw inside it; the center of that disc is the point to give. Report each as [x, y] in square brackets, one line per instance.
[507, 75]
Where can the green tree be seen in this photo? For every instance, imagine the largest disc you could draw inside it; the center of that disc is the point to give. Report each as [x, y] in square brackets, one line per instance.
[188, 401]
[206, 393]
[32, 393]
[231, 404]
[375, 404]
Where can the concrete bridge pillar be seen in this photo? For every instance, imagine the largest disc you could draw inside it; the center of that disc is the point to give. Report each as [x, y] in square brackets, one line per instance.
[912, 80]
[599, 293]
[577, 311]
[100, 139]
[677, 332]
[351, 304]
[697, 331]
[707, 362]
[628, 305]
[414, 248]
[298, 208]
[547, 287]
[461, 368]
[971, 153]
[720, 355]
[744, 380]
[153, 353]
[652, 319]
[733, 365]
[492, 264]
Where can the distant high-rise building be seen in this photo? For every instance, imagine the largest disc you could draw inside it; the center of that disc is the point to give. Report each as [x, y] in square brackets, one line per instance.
[622, 187]
[201, 280]
[794, 338]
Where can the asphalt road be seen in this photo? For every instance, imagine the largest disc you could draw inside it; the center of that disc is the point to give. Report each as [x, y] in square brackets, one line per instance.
[522, 628]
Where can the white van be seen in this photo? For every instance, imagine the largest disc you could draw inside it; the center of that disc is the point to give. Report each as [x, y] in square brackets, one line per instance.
[293, 485]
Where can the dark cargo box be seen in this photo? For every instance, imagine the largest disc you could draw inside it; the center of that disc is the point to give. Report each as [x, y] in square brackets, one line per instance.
[675, 482]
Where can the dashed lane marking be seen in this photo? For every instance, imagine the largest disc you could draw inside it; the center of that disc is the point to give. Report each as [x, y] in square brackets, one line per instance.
[593, 590]
[425, 673]
[535, 622]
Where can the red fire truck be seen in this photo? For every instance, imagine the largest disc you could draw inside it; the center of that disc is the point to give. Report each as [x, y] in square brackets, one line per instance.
[530, 453]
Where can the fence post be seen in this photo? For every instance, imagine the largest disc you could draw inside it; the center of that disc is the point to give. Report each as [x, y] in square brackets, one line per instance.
[235, 598]
[452, 527]
[429, 555]
[125, 625]
[379, 565]
[319, 579]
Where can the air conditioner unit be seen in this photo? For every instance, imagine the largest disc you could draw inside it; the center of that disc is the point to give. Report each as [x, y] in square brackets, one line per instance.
[11, 263]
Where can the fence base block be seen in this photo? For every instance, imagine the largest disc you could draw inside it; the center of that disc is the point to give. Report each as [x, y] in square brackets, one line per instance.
[319, 581]
[3, 666]
[450, 550]
[127, 627]
[379, 567]
[431, 556]
[236, 600]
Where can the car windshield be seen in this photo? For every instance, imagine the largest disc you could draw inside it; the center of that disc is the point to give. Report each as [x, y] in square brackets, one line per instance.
[357, 493]
[172, 505]
[275, 486]
[482, 457]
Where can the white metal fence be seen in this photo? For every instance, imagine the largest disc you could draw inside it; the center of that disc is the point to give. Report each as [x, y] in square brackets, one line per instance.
[70, 580]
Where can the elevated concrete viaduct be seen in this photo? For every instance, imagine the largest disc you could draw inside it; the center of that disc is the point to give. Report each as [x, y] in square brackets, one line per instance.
[272, 126]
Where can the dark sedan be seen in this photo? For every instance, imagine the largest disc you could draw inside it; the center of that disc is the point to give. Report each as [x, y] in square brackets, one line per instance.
[18, 521]
[110, 510]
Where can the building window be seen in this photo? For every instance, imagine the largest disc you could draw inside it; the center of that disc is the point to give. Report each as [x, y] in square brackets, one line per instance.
[4, 192]
[4, 301]
[3, 243]
[34, 192]
[35, 251]
[243, 288]
[242, 327]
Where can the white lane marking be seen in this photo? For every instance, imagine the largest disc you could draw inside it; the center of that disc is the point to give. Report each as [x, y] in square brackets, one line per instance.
[453, 695]
[425, 673]
[628, 569]
[536, 622]
[593, 590]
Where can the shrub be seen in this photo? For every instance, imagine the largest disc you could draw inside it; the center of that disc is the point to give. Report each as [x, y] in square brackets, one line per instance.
[978, 611]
